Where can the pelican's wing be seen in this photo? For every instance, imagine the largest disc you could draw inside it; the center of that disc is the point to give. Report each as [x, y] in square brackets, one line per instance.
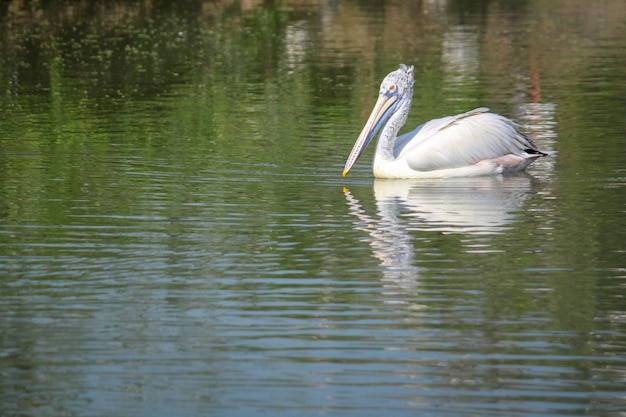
[462, 140]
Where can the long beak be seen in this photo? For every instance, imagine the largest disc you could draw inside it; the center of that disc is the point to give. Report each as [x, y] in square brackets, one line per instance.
[369, 130]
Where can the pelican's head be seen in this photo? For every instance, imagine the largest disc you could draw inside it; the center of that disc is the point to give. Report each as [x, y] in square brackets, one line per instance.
[395, 90]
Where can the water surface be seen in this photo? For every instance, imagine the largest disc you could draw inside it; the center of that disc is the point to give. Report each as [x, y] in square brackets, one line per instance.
[176, 237]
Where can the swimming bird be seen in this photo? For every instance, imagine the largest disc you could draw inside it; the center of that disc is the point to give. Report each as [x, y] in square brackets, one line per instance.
[469, 144]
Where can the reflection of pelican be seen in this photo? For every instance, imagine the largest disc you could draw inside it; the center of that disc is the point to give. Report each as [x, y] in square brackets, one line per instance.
[482, 205]
[477, 206]
[468, 144]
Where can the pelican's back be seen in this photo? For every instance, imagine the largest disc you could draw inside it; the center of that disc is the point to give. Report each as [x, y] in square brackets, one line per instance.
[465, 140]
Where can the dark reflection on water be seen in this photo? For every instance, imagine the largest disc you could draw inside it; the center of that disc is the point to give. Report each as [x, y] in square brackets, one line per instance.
[176, 237]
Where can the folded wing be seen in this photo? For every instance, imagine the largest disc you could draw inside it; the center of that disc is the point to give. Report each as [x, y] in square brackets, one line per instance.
[462, 140]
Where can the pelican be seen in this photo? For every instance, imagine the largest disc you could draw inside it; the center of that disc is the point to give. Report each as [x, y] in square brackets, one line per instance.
[469, 144]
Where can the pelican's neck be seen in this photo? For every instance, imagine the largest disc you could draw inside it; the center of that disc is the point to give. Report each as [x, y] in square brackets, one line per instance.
[389, 134]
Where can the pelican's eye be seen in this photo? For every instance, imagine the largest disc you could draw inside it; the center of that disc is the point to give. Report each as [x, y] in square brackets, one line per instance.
[392, 88]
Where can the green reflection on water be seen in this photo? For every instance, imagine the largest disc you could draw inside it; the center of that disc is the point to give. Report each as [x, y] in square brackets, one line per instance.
[104, 106]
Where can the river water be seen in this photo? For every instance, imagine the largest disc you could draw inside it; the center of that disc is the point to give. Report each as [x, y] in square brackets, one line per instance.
[176, 238]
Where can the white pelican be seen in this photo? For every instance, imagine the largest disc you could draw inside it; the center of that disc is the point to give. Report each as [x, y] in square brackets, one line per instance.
[468, 144]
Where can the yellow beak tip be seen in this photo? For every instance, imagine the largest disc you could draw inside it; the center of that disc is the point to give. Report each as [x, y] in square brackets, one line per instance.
[344, 173]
